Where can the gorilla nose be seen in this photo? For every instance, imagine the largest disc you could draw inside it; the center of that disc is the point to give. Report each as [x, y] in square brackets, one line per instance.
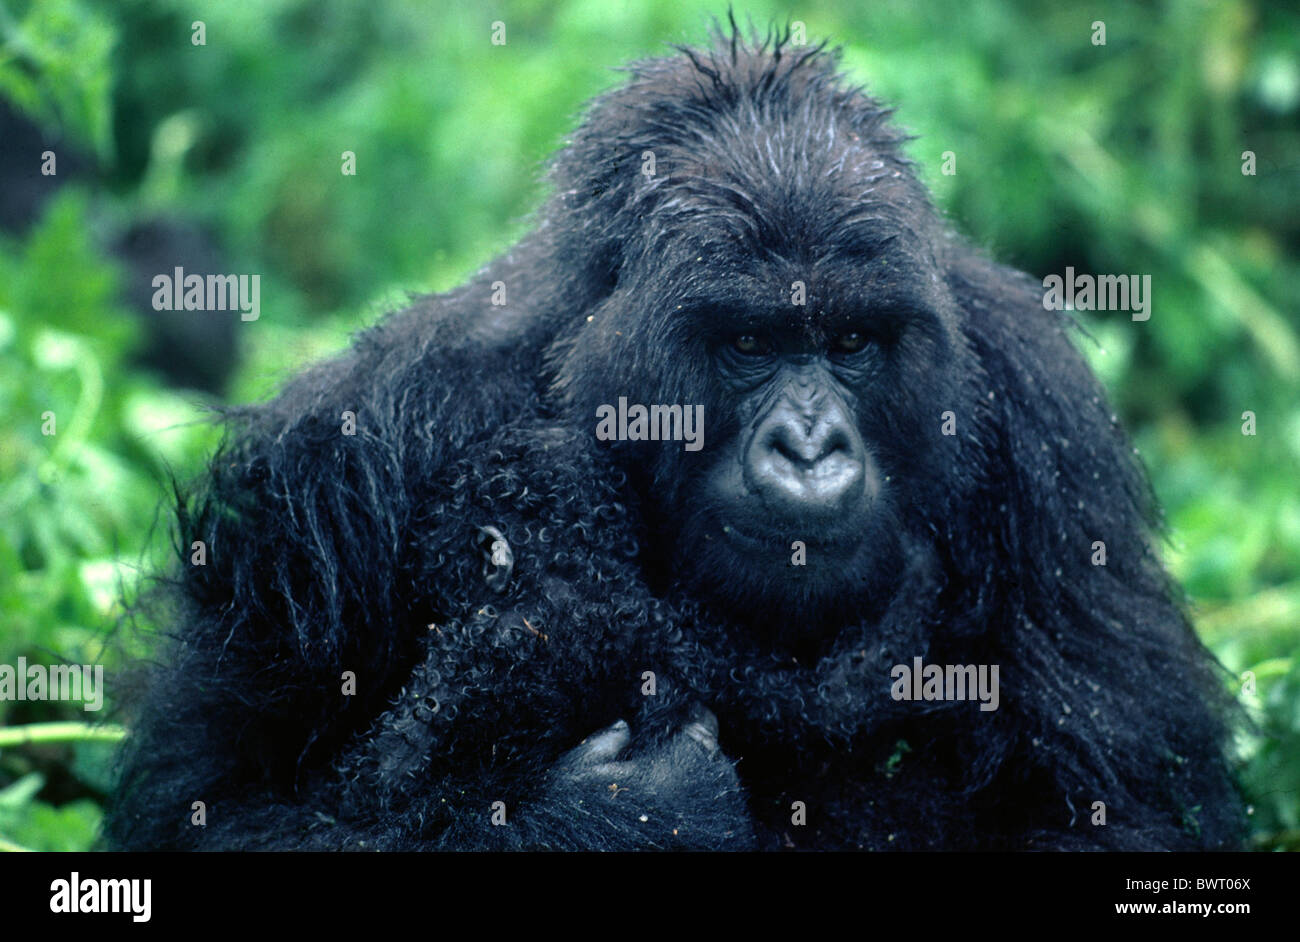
[817, 470]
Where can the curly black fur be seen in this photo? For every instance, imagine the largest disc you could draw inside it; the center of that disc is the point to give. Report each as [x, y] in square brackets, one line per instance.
[331, 553]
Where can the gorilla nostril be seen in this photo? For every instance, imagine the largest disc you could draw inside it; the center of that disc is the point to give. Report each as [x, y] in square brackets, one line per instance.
[805, 449]
[818, 471]
[783, 446]
[837, 439]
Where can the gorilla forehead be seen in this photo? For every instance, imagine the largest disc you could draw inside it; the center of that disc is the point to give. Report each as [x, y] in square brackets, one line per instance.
[742, 292]
[730, 274]
[810, 226]
[799, 187]
[759, 170]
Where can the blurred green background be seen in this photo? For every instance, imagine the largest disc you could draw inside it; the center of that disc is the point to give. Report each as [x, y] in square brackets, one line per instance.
[1122, 158]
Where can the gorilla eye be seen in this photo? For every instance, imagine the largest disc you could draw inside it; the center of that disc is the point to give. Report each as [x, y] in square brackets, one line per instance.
[851, 342]
[749, 345]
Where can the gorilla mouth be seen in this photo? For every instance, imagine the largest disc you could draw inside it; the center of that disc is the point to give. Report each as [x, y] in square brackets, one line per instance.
[754, 522]
[781, 539]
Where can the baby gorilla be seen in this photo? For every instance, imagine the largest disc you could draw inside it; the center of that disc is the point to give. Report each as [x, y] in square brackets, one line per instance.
[566, 634]
[440, 611]
[551, 628]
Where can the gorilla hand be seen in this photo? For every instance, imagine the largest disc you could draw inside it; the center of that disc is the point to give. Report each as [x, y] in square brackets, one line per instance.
[681, 792]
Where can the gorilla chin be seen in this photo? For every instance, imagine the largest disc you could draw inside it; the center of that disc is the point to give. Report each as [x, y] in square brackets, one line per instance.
[800, 579]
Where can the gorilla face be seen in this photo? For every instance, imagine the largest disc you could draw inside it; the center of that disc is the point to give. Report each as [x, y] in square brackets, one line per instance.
[822, 460]
[823, 373]
[800, 466]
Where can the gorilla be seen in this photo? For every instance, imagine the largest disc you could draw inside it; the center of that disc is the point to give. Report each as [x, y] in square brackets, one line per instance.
[740, 505]
[187, 351]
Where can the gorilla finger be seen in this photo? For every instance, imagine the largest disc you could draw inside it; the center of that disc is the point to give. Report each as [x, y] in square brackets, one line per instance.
[706, 718]
[604, 745]
[704, 733]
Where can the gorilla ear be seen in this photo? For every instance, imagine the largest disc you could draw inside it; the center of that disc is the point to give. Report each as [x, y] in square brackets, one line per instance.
[498, 558]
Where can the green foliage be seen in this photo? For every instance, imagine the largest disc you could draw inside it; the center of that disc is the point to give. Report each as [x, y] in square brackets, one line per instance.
[76, 505]
[1123, 158]
[54, 64]
[37, 825]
